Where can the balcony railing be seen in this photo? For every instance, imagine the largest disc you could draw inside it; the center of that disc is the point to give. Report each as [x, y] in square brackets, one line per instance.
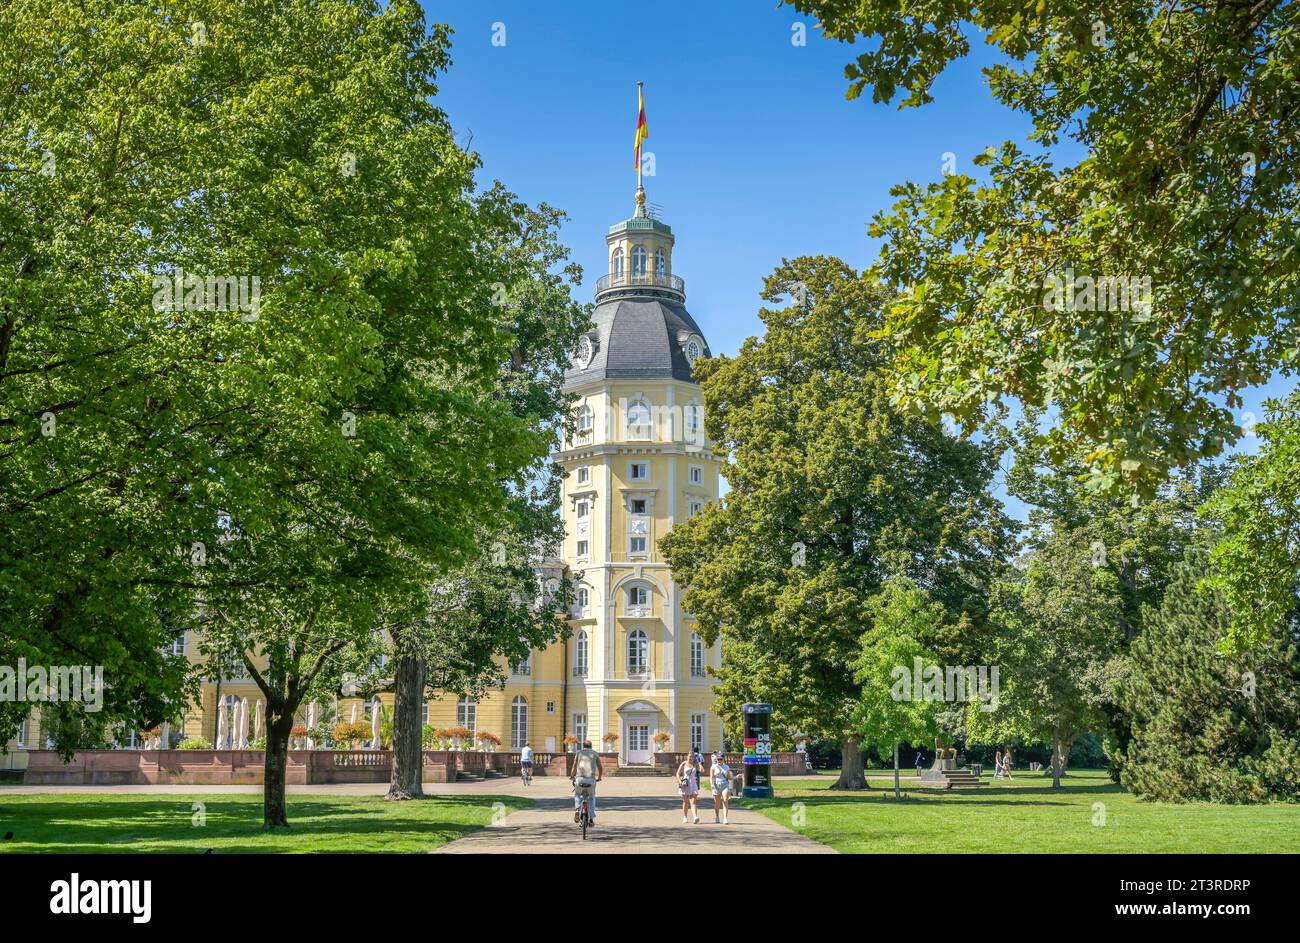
[619, 280]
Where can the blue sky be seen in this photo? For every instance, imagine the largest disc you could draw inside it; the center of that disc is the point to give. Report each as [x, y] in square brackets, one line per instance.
[758, 154]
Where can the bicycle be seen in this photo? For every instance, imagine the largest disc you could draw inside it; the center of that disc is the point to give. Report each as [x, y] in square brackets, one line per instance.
[583, 816]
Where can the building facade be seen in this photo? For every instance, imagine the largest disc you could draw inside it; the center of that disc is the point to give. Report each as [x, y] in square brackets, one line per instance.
[633, 675]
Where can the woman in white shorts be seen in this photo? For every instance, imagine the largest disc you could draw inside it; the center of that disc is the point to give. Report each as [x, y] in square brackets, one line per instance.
[688, 787]
[720, 778]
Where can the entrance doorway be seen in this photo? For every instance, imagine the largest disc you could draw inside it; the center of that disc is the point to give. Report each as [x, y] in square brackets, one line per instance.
[638, 741]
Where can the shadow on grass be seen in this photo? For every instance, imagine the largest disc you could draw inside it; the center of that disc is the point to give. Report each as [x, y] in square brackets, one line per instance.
[167, 824]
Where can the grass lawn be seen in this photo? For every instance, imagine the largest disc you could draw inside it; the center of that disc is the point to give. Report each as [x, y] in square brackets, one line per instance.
[1023, 815]
[68, 822]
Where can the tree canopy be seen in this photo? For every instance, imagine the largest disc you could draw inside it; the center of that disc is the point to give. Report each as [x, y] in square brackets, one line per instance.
[1188, 120]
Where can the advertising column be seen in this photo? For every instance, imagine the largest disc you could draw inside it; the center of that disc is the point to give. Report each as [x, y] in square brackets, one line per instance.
[758, 751]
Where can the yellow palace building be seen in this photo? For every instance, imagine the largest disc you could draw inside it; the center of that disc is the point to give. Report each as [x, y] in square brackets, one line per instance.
[637, 464]
[633, 673]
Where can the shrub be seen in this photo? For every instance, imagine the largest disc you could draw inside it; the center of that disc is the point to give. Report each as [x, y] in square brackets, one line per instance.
[194, 743]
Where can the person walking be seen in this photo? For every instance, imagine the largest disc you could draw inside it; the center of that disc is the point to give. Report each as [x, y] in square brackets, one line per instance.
[997, 765]
[688, 787]
[720, 779]
[920, 761]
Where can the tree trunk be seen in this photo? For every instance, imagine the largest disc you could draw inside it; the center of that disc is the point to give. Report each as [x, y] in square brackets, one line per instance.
[897, 791]
[274, 813]
[408, 748]
[852, 772]
[1060, 751]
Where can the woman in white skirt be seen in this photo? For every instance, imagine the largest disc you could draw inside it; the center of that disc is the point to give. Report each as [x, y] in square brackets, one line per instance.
[720, 780]
[688, 787]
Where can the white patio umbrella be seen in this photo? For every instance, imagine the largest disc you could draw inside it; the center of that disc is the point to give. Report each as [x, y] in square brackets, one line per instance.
[311, 724]
[221, 727]
[258, 733]
[356, 712]
[374, 725]
[243, 723]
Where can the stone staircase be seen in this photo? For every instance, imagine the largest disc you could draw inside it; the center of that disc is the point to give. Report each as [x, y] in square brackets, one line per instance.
[961, 779]
[639, 771]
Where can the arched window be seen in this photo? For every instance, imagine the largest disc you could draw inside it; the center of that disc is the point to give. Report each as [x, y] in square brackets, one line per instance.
[661, 262]
[616, 262]
[638, 420]
[467, 714]
[580, 655]
[586, 419]
[638, 260]
[694, 424]
[584, 597]
[519, 723]
[697, 656]
[638, 653]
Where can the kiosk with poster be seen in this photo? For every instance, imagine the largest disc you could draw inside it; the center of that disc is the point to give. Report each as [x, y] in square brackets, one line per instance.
[758, 751]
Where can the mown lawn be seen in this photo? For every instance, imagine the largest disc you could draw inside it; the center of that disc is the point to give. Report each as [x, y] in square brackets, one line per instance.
[67, 822]
[1023, 815]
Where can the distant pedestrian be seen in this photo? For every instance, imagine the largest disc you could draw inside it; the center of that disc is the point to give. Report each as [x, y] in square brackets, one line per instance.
[688, 787]
[997, 765]
[920, 761]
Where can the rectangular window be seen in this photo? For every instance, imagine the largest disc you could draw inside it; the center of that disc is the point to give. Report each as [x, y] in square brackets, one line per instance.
[697, 475]
[638, 596]
[580, 726]
[697, 731]
[640, 471]
[638, 505]
[694, 507]
[637, 545]
[582, 548]
[467, 714]
[519, 724]
[583, 510]
[584, 474]
[550, 707]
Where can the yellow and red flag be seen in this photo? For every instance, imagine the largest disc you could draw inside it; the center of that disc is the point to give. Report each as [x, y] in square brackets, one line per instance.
[642, 129]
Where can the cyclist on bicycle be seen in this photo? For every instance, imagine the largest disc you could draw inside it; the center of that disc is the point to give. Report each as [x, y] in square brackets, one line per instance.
[587, 771]
[526, 762]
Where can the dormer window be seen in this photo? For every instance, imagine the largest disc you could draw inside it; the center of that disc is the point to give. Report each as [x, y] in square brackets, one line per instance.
[661, 262]
[638, 260]
[616, 262]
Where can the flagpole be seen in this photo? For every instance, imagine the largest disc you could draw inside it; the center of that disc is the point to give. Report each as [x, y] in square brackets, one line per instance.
[639, 97]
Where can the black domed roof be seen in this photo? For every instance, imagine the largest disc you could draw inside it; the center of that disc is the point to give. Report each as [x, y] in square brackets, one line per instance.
[638, 338]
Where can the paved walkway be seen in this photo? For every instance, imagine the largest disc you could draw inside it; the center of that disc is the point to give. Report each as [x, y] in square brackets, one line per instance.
[635, 815]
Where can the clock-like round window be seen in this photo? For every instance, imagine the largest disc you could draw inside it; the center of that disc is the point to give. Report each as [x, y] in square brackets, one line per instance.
[692, 351]
[585, 352]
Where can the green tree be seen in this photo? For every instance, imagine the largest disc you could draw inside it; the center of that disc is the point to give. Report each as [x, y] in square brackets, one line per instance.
[319, 449]
[1209, 726]
[1187, 118]
[1140, 542]
[1057, 643]
[890, 710]
[488, 610]
[832, 491]
[1258, 515]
